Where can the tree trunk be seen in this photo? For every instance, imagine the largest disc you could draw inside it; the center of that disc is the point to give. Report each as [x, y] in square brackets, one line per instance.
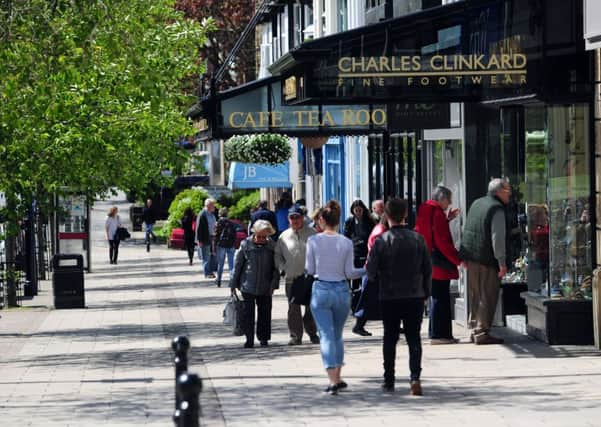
[11, 273]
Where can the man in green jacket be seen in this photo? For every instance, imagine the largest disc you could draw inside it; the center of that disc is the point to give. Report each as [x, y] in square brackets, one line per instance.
[483, 248]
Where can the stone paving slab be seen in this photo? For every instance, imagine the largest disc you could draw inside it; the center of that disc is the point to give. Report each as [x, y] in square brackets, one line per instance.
[111, 363]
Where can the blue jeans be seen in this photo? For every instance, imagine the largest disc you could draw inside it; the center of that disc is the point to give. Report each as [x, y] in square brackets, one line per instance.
[221, 253]
[149, 232]
[330, 305]
[206, 255]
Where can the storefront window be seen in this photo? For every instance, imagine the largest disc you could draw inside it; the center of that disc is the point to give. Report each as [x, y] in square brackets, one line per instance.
[558, 257]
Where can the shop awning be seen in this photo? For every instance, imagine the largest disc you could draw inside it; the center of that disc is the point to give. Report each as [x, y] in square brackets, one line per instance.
[253, 175]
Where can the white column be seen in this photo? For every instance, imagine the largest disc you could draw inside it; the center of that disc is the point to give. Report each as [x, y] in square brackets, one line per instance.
[318, 29]
[331, 17]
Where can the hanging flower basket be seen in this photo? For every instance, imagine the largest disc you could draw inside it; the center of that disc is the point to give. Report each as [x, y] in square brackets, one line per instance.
[265, 148]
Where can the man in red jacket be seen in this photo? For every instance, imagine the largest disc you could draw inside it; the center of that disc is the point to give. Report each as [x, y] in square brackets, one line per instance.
[433, 224]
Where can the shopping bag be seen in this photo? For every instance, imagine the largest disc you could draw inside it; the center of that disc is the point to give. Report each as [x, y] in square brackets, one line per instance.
[300, 291]
[233, 314]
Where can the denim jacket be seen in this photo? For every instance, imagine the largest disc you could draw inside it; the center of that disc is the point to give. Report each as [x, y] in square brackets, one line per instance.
[254, 269]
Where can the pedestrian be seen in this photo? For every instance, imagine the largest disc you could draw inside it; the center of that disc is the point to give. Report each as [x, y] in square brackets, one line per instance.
[263, 212]
[377, 210]
[224, 242]
[281, 211]
[290, 254]
[149, 221]
[256, 276]
[187, 222]
[112, 223]
[483, 248]
[358, 227]
[432, 223]
[400, 262]
[330, 261]
[205, 230]
[315, 220]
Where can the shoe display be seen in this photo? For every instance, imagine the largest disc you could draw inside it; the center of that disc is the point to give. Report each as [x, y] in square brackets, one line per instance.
[362, 332]
[331, 390]
[294, 341]
[387, 388]
[314, 339]
[441, 341]
[264, 343]
[486, 339]
[416, 388]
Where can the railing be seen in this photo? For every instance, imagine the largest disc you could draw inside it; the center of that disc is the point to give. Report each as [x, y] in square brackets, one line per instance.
[19, 281]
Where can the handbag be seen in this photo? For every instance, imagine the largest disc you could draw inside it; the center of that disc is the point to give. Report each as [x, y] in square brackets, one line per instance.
[122, 233]
[300, 291]
[233, 314]
[438, 258]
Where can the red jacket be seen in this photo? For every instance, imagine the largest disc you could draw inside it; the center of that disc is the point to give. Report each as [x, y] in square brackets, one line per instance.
[437, 227]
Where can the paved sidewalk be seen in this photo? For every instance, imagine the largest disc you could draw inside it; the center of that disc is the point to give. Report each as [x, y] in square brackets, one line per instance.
[111, 363]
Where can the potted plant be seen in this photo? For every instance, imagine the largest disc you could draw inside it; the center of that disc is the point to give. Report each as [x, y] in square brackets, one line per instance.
[265, 148]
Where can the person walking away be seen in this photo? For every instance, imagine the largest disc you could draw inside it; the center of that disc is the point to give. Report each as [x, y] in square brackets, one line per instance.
[400, 262]
[358, 227]
[149, 221]
[111, 224]
[187, 222]
[262, 212]
[225, 240]
[205, 230]
[290, 254]
[432, 223]
[483, 247]
[281, 211]
[330, 261]
[256, 276]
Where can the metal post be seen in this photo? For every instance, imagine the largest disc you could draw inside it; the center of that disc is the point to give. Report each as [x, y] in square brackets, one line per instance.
[188, 389]
[180, 345]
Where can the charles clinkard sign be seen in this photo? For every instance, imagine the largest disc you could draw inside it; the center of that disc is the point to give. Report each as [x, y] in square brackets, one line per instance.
[441, 70]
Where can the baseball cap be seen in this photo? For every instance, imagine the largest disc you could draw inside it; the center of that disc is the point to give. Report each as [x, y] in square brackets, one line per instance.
[295, 210]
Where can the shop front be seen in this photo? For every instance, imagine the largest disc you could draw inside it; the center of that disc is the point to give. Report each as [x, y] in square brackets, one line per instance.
[456, 95]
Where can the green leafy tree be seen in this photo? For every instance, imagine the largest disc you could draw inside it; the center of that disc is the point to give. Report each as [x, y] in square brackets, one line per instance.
[90, 95]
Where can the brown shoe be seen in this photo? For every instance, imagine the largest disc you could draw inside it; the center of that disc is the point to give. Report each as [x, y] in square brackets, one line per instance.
[485, 339]
[416, 388]
[441, 341]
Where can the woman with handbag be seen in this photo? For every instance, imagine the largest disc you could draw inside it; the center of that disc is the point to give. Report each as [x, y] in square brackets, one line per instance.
[432, 223]
[257, 277]
[358, 227]
[111, 225]
[330, 261]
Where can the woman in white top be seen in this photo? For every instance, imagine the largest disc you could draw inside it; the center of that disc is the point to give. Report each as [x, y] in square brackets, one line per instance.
[330, 260]
[111, 225]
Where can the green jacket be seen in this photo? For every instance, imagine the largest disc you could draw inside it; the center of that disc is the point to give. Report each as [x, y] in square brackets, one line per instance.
[476, 241]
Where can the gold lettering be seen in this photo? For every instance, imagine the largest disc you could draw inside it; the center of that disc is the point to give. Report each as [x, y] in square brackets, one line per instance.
[366, 82]
[231, 120]
[519, 60]
[384, 64]
[523, 79]
[477, 79]
[313, 118]
[467, 62]
[382, 117]
[277, 119]
[459, 79]
[447, 66]
[362, 121]
[372, 65]
[478, 65]
[405, 63]
[409, 81]
[507, 80]
[299, 117]
[493, 80]
[442, 81]
[327, 119]
[417, 63]
[343, 64]
[249, 121]
[340, 81]
[506, 62]
[381, 81]
[434, 60]
[395, 64]
[357, 65]
[347, 118]
[425, 81]
[493, 62]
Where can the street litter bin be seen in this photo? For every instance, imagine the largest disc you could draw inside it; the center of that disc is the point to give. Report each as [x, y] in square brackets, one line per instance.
[67, 281]
[136, 217]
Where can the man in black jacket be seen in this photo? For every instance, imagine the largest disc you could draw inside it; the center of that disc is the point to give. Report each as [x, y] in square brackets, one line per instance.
[400, 262]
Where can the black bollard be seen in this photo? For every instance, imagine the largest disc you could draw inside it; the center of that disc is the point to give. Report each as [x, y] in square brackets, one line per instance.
[188, 389]
[180, 345]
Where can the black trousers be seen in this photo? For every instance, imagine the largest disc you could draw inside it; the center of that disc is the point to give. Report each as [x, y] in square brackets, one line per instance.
[440, 310]
[410, 311]
[263, 304]
[190, 248]
[113, 250]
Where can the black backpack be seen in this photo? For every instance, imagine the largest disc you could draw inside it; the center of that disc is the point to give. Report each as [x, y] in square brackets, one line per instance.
[227, 238]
